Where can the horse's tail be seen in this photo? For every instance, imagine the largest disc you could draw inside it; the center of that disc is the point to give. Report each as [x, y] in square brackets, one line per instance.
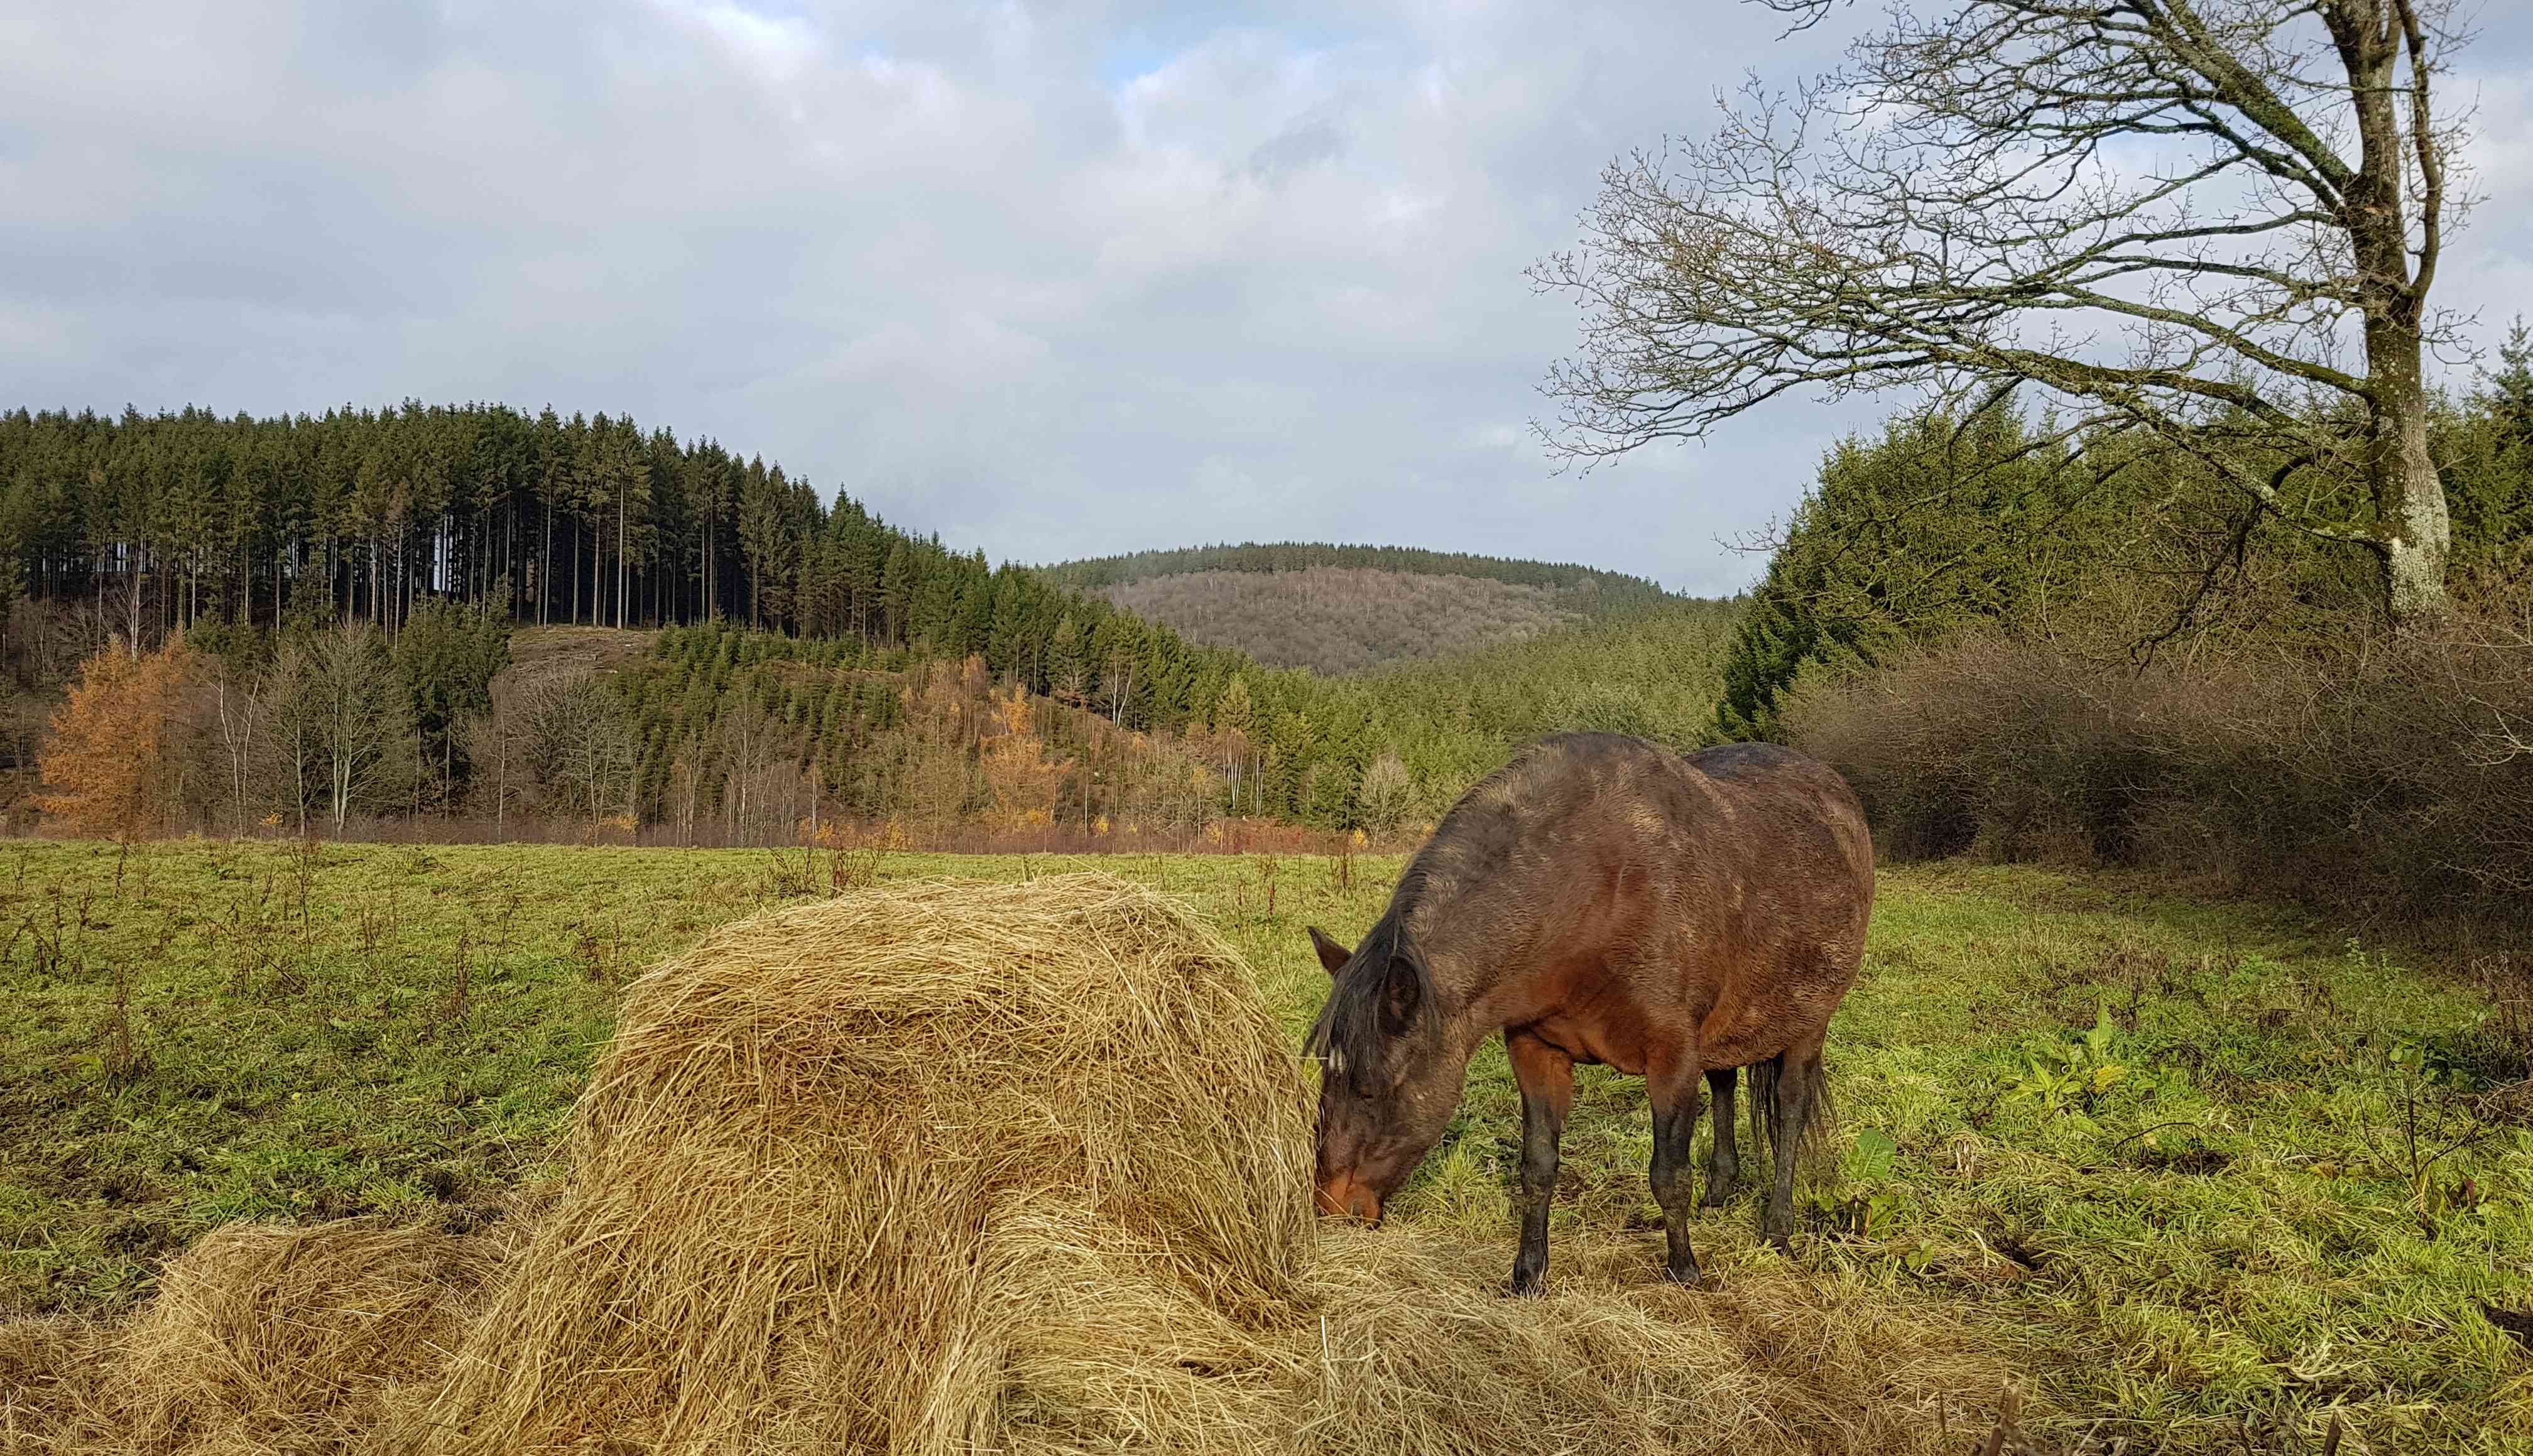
[1770, 1088]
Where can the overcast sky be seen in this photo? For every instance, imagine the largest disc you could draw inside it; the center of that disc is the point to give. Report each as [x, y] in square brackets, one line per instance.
[1050, 279]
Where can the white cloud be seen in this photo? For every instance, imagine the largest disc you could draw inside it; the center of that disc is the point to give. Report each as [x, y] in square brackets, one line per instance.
[1050, 279]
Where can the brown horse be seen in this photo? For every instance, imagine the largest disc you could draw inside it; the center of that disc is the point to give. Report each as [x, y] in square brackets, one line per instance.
[1603, 900]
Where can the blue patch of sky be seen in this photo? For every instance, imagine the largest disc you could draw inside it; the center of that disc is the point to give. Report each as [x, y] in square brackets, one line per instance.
[1146, 46]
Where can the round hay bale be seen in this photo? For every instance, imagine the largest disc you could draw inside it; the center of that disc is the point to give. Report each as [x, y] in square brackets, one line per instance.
[843, 1164]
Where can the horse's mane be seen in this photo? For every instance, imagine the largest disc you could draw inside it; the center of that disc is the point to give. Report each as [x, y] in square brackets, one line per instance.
[1351, 1038]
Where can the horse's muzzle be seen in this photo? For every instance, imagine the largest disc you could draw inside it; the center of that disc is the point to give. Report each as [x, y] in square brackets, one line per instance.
[1347, 1197]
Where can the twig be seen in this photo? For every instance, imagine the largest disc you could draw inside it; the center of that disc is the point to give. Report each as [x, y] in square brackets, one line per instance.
[2004, 1423]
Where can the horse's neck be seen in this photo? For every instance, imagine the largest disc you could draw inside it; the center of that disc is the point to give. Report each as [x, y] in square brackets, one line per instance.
[1465, 952]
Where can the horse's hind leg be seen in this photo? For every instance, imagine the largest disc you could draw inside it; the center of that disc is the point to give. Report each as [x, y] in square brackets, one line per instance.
[1796, 1082]
[1547, 1077]
[1671, 1084]
[1724, 1158]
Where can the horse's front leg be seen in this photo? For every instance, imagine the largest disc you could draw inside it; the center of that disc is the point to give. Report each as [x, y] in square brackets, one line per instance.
[1671, 1082]
[1547, 1077]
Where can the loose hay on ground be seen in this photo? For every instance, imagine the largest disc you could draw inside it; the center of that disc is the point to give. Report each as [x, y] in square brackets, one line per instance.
[1014, 1167]
[261, 1339]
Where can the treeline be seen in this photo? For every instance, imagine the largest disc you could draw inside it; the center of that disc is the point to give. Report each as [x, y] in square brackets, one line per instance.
[1941, 525]
[941, 742]
[171, 520]
[2023, 647]
[1594, 589]
[302, 730]
[151, 525]
[459, 728]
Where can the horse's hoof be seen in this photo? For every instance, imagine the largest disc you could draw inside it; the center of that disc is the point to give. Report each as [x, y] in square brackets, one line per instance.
[1692, 1276]
[1523, 1289]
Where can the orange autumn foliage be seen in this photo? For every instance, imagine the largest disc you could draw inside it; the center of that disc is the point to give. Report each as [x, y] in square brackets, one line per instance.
[1023, 777]
[113, 765]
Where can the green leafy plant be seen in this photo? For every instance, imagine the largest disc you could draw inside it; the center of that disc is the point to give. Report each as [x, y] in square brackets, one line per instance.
[1866, 1199]
[2072, 1076]
[2434, 1122]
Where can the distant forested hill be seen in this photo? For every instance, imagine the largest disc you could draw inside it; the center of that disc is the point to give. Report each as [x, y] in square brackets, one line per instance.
[1345, 618]
[1593, 588]
[1355, 608]
[720, 651]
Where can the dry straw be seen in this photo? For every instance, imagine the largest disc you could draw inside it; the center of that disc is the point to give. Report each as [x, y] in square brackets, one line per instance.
[962, 1167]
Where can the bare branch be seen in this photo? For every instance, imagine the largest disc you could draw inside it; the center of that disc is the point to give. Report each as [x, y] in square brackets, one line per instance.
[2188, 218]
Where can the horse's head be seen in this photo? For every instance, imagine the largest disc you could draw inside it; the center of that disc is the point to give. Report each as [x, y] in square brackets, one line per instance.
[1388, 1085]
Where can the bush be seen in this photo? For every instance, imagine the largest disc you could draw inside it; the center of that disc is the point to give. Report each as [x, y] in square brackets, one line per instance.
[2383, 774]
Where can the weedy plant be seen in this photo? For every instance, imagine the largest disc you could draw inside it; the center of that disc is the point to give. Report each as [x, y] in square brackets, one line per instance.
[1864, 1202]
[2070, 1076]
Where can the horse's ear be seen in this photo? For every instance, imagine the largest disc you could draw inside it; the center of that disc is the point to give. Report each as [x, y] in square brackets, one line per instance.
[1332, 954]
[1401, 993]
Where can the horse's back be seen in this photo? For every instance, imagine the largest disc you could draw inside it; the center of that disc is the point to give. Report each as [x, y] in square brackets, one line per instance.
[1786, 891]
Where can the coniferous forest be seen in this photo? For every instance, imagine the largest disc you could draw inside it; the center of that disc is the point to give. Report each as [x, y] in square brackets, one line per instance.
[177, 518]
[339, 595]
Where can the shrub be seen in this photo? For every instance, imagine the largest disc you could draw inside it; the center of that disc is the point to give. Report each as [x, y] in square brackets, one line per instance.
[2380, 773]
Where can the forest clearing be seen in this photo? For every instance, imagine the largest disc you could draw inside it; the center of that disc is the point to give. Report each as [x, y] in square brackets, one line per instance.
[2185, 1174]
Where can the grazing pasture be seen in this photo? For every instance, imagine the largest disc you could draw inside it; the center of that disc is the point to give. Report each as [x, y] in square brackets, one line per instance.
[2200, 1176]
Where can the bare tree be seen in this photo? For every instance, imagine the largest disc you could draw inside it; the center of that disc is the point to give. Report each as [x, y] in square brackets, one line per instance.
[582, 746]
[242, 705]
[364, 719]
[2215, 221]
[757, 753]
[496, 744]
[1385, 793]
[292, 744]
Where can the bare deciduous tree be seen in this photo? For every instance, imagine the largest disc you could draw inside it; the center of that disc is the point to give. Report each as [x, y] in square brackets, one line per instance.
[1385, 793]
[581, 745]
[243, 704]
[760, 758]
[2215, 221]
[496, 744]
[292, 744]
[365, 720]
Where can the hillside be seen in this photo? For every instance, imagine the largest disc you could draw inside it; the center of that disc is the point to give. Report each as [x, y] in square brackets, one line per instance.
[1354, 608]
[1593, 588]
[1344, 618]
[715, 652]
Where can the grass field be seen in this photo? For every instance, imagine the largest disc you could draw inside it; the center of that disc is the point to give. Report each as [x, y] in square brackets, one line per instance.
[2208, 1174]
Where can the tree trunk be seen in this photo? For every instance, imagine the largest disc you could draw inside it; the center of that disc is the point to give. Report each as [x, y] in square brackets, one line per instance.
[2411, 521]
[2412, 529]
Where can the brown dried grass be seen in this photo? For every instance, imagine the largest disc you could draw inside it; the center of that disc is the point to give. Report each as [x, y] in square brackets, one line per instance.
[959, 1167]
[260, 1339]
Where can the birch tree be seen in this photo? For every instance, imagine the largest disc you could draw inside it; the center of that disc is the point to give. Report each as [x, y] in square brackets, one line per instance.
[2216, 222]
[364, 719]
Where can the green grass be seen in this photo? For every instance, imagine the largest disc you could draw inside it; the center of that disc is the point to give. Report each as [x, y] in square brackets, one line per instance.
[2160, 1150]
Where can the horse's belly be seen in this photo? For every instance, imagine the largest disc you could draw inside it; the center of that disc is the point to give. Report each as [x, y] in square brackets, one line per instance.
[1591, 1044]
